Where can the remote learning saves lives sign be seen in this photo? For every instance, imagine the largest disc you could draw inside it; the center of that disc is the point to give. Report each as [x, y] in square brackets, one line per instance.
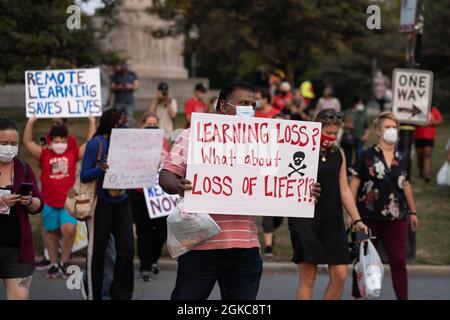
[252, 166]
[63, 93]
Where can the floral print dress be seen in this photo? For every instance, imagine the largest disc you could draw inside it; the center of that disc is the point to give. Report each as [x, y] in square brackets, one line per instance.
[381, 193]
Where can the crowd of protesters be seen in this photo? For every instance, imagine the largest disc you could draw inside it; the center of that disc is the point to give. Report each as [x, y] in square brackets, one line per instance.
[373, 185]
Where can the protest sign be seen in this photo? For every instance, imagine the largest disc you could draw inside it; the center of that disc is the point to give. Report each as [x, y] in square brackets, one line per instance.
[133, 158]
[412, 91]
[81, 240]
[252, 166]
[63, 93]
[159, 203]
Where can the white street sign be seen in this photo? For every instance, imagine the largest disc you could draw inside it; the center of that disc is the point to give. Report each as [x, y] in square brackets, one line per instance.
[412, 92]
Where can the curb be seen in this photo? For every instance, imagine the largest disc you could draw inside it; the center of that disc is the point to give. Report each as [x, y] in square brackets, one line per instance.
[289, 267]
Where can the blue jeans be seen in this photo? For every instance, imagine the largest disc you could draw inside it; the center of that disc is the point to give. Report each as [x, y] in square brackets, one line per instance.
[128, 108]
[238, 272]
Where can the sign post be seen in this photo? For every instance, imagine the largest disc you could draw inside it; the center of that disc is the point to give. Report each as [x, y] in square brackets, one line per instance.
[412, 92]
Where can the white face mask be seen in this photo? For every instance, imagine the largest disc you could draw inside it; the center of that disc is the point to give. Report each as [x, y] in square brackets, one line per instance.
[258, 104]
[390, 135]
[245, 111]
[59, 148]
[360, 107]
[8, 152]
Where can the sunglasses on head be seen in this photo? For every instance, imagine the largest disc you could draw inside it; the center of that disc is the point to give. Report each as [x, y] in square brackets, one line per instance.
[331, 114]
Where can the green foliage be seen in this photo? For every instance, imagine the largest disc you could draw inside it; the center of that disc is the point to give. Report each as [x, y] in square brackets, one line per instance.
[33, 31]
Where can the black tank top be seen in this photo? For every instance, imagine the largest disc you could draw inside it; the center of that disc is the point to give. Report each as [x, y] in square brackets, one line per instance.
[9, 228]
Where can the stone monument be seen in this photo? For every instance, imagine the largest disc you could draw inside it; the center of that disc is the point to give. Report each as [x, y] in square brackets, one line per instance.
[148, 56]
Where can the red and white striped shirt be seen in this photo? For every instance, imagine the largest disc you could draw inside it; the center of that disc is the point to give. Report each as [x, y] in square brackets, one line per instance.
[237, 231]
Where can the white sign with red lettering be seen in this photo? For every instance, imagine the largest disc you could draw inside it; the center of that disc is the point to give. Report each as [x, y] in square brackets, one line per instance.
[252, 166]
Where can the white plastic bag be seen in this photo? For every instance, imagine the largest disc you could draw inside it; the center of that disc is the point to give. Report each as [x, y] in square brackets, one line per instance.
[369, 272]
[443, 176]
[187, 230]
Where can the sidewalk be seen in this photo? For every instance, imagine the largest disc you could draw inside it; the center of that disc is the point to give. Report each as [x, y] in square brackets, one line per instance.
[289, 267]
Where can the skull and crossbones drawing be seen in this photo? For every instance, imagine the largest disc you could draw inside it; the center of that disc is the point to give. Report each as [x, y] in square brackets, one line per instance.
[298, 158]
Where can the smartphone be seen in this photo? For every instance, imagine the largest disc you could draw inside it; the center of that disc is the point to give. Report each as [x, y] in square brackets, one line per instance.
[361, 235]
[25, 188]
[43, 141]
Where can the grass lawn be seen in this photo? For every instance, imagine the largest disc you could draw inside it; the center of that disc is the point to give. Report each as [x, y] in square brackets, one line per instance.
[433, 202]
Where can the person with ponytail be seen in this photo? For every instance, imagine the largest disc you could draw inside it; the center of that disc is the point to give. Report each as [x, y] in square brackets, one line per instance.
[322, 239]
[112, 216]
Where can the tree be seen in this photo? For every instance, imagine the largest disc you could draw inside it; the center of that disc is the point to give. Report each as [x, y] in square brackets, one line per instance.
[33, 31]
[272, 34]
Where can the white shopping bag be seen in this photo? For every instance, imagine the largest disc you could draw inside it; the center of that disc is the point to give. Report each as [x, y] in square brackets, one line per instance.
[443, 176]
[187, 230]
[369, 272]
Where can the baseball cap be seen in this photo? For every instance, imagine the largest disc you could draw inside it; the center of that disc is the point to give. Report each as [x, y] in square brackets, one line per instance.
[200, 87]
[163, 87]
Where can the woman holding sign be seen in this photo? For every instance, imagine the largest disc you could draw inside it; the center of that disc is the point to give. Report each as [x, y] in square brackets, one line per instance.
[19, 197]
[322, 239]
[112, 213]
[151, 233]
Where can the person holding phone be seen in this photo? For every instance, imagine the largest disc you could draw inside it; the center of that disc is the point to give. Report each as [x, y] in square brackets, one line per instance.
[58, 169]
[19, 196]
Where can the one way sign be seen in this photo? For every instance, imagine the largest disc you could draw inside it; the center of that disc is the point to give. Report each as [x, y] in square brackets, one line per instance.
[412, 91]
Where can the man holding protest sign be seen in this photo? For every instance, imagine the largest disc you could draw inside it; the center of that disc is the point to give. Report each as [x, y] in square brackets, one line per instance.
[232, 257]
[58, 169]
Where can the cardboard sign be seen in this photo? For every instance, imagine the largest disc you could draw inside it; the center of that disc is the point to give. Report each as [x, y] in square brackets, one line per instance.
[252, 166]
[159, 203]
[63, 93]
[412, 92]
[133, 158]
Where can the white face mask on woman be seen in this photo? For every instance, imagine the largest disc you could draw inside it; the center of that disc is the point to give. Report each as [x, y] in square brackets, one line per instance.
[390, 135]
[8, 152]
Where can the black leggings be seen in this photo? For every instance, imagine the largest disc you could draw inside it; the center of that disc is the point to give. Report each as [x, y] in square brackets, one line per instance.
[270, 224]
[115, 219]
[151, 233]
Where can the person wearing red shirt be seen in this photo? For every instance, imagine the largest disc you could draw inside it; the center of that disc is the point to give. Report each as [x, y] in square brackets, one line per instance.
[424, 141]
[196, 103]
[58, 169]
[284, 97]
[263, 107]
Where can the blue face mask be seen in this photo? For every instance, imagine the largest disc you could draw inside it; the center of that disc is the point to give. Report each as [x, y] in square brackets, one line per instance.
[244, 111]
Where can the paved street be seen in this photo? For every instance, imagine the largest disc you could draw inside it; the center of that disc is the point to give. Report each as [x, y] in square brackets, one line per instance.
[274, 286]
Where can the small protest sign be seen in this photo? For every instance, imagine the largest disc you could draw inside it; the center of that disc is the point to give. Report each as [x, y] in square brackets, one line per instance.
[63, 93]
[252, 166]
[133, 158]
[159, 203]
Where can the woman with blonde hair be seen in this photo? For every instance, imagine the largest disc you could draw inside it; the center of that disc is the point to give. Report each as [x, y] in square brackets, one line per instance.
[385, 200]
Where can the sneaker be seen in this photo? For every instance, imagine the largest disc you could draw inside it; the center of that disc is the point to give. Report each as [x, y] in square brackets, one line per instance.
[146, 276]
[53, 272]
[155, 269]
[44, 264]
[268, 252]
[63, 270]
